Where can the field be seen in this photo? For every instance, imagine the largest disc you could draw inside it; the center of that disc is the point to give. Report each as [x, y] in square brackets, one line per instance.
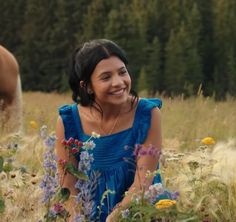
[203, 174]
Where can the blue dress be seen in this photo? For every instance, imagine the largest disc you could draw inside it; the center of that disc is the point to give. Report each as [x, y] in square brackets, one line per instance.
[113, 154]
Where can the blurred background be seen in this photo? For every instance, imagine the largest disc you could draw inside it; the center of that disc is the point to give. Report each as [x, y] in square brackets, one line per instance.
[173, 46]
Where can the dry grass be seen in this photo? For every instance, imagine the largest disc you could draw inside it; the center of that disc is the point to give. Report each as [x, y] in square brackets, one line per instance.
[185, 122]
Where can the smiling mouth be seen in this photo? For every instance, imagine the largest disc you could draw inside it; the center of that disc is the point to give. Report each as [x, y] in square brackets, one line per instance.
[118, 92]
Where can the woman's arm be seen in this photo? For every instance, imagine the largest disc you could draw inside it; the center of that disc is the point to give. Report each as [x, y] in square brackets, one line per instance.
[144, 162]
[147, 162]
[66, 179]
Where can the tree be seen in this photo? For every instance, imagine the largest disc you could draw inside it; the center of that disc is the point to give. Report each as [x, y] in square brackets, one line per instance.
[231, 72]
[153, 67]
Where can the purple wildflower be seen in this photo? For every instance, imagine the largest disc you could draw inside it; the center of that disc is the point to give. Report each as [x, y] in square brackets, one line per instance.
[125, 213]
[79, 218]
[49, 182]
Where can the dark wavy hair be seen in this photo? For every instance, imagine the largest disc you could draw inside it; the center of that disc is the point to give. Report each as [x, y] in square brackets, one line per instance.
[83, 62]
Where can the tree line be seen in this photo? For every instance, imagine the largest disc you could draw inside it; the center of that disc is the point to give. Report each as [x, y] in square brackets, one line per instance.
[173, 46]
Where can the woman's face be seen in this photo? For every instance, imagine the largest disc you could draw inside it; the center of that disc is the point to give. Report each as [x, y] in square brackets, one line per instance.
[110, 82]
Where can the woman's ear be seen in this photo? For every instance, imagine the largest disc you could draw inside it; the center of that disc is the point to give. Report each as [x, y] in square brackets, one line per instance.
[89, 89]
[81, 83]
[86, 87]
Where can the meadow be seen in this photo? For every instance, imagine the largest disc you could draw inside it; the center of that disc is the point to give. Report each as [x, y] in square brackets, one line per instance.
[203, 174]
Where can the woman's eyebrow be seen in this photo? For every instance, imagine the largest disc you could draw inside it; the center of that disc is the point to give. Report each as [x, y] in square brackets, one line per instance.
[109, 72]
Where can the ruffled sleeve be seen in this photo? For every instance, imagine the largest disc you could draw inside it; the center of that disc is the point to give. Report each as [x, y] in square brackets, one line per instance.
[143, 117]
[68, 121]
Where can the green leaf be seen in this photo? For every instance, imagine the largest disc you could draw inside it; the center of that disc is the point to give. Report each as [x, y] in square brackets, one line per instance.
[7, 167]
[2, 205]
[62, 195]
[1, 163]
[71, 168]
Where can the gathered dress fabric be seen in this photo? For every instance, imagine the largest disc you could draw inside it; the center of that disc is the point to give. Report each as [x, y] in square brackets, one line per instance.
[114, 159]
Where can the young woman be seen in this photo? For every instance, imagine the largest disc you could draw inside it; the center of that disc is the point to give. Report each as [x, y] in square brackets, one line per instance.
[106, 104]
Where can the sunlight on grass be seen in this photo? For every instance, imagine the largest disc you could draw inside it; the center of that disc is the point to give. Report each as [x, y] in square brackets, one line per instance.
[203, 174]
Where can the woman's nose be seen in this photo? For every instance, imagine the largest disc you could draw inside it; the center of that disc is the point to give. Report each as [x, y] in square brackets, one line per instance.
[117, 80]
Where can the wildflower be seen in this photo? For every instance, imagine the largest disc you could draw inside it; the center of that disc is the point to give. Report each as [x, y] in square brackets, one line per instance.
[62, 162]
[89, 145]
[125, 213]
[193, 165]
[74, 150]
[208, 141]
[153, 192]
[50, 141]
[33, 124]
[43, 131]
[64, 142]
[151, 150]
[78, 143]
[49, 182]
[58, 208]
[70, 141]
[136, 198]
[79, 218]
[165, 203]
[95, 135]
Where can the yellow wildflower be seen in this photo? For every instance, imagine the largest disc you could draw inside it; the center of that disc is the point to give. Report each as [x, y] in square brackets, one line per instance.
[33, 124]
[208, 141]
[165, 203]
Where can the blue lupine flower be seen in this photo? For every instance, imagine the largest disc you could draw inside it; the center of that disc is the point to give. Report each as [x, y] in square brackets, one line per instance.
[49, 182]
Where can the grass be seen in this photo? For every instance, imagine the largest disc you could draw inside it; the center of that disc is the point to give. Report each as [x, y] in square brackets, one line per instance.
[211, 182]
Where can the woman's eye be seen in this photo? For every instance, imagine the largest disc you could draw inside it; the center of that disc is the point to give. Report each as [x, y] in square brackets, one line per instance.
[105, 77]
[123, 72]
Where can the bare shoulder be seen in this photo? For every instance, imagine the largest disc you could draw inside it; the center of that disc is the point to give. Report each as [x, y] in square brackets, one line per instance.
[59, 128]
[156, 116]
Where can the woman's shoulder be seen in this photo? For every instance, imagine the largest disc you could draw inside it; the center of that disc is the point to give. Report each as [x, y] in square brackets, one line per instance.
[149, 103]
[65, 109]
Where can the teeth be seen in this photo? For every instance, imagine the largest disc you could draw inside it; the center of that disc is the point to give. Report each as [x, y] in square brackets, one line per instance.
[118, 92]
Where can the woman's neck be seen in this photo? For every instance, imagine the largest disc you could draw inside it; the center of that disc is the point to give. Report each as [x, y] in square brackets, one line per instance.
[110, 111]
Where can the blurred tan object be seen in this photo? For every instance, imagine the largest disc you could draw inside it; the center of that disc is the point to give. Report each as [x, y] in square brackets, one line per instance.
[10, 93]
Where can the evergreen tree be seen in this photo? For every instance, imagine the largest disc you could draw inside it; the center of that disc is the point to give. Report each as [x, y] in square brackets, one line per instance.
[231, 72]
[206, 44]
[194, 75]
[38, 61]
[175, 67]
[225, 37]
[154, 75]
[95, 20]
[142, 81]
[11, 21]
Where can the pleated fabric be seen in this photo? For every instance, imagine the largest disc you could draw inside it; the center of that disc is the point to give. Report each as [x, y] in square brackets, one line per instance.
[114, 162]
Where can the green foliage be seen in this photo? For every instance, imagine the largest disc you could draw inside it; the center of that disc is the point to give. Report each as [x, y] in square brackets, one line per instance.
[1, 163]
[181, 43]
[7, 167]
[62, 195]
[142, 81]
[2, 205]
[74, 171]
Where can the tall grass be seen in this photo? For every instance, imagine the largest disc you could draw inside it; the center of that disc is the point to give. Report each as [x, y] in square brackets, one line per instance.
[184, 122]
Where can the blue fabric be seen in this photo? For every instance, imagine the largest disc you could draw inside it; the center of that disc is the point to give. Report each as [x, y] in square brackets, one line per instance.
[113, 154]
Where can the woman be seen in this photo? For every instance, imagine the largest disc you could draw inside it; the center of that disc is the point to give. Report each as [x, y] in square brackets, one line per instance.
[106, 104]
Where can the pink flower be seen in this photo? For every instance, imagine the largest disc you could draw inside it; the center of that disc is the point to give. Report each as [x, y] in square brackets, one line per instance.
[62, 162]
[64, 142]
[74, 150]
[58, 208]
[78, 143]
